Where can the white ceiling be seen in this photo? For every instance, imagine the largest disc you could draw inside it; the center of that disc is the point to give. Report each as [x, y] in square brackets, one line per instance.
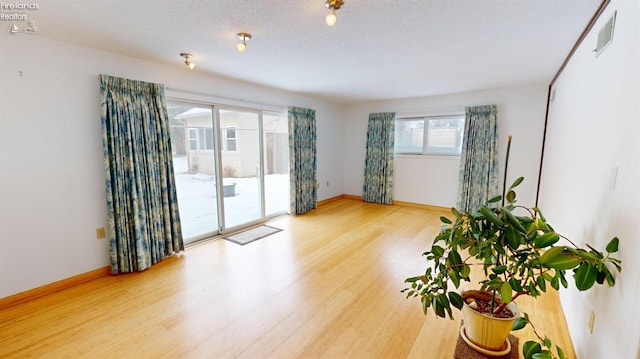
[378, 49]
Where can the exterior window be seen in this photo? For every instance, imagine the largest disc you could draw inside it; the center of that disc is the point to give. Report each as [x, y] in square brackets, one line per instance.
[440, 135]
[229, 143]
[193, 139]
[200, 138]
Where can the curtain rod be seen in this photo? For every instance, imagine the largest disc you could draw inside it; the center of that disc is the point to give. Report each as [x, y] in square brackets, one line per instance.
[223, 100]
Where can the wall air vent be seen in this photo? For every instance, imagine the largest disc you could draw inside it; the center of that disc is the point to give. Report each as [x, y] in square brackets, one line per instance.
[605, 36]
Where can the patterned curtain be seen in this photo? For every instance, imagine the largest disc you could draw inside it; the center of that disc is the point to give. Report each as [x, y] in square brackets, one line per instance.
[478, 164]
[302, 159]
[378, 166]
[144, 223]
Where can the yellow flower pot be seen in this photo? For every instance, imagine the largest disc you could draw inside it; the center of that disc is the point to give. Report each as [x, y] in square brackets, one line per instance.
[486, 331]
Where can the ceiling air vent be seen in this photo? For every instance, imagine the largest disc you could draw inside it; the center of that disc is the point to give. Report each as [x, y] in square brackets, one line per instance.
[605, 36]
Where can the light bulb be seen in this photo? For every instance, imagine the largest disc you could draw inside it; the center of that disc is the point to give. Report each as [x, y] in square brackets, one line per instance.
[241, 46]
[191, 65]
[331, 19]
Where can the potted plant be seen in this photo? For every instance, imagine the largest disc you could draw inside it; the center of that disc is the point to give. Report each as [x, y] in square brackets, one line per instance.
[519, 254]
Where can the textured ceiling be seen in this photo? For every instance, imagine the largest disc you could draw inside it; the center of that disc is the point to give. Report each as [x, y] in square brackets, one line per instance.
[378, 49]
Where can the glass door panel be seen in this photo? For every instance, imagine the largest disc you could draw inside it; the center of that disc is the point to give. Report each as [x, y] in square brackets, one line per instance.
[240, 166]
[192, 142]
[276, 163]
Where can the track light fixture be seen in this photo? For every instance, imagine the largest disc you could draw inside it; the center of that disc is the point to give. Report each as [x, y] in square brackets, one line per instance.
[241, 46]
[187, 60]
[332, 5]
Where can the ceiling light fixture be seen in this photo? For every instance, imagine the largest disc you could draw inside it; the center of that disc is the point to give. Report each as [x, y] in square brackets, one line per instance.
[187, 60]
[241, 46]
[332, 5]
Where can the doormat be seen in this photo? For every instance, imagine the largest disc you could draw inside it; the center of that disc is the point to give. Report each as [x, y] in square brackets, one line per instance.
[252, 234]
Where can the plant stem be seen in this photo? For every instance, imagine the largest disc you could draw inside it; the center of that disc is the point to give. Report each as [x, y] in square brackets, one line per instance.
[504, 190]
[506, 165]
[503, 304]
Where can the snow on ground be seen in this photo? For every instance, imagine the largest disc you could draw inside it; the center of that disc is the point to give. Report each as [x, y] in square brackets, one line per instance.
[198, 204]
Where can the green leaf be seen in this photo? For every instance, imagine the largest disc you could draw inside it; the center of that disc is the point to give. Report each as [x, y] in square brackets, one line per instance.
[551, 254]
[542, 284]
[585, 276]
[542, 355]
[506, 292]
[454, 258]
[446, 220]
[511, 196]
[532, 289]
[499, 269]
[495, 199]
[590, 256]
[439, 308]
[612, 247]
[513, 220]
[490, 216]
[437, 251]
[563, 281]
[530, 348]
[611, 281]
[453, 274]
[524, 219]
[516, 182]
[554, 258]
[465, 270]
[515, 285]
[555, 283]
[456, 300]
[444, 302]
[513, 237]
[546, 240]
[560, 352]
[519, 323]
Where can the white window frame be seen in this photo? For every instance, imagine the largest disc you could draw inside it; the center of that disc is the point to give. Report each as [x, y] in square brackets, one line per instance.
[426, 150]
[198, 136]
[192, 138]
[226, 139]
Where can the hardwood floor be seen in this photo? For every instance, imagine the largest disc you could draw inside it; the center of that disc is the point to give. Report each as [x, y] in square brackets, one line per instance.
[327, 286]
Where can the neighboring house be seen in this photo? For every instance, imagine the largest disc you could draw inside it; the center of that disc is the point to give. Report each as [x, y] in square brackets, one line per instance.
[238, 142]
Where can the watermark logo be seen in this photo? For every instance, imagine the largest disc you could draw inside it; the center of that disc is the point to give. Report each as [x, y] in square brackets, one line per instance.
[18, 11]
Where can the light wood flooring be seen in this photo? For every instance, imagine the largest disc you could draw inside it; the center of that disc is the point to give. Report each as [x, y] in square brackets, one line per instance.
[327, 286]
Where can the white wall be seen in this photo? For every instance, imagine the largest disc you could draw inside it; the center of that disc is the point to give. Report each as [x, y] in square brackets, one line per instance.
[433, 180]
[51, 171]
[593, 129]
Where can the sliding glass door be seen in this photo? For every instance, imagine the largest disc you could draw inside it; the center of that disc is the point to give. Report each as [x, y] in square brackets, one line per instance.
[231, 167]
[192, 140]
[275, 141]
[241, 167]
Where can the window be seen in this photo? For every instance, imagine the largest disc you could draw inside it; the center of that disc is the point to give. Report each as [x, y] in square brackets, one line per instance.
[441, 135]
[200, 138]
[229, 143]
[193, 139]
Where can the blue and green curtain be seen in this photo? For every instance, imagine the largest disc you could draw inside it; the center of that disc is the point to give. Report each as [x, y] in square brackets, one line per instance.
[478, 179]
[302, 159]
[144, 223]
[378, 166]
